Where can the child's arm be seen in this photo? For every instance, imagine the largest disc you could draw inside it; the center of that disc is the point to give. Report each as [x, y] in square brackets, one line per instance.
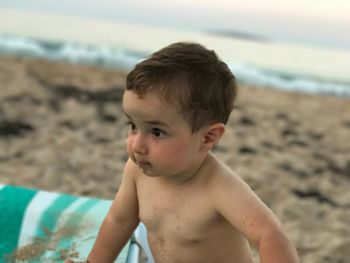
[119, 223]
[244, 210]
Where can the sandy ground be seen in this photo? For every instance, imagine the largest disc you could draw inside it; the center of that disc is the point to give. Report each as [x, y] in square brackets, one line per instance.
[61, 129]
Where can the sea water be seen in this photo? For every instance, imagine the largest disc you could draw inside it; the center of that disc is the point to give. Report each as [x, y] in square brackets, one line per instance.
[121, 46]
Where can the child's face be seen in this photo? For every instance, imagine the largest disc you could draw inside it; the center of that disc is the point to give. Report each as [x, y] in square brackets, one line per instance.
[159, 140]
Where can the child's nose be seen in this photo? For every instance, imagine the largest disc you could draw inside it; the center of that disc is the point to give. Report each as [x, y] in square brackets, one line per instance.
[139, 144]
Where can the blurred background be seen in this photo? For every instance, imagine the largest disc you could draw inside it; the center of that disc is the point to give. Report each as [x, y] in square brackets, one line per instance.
[264, 42]
[325, 23]
[62, 74]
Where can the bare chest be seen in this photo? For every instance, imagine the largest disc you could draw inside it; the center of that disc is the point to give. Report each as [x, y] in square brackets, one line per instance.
[182, 213]
[185, 219]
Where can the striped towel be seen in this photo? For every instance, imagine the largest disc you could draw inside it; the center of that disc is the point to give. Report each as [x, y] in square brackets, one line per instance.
[38, 226]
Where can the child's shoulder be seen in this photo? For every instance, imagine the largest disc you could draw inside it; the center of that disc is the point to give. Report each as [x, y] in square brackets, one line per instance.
[219, 169]
[223, 177]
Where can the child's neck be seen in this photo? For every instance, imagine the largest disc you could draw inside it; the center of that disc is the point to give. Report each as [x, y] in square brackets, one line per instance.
[193, 174]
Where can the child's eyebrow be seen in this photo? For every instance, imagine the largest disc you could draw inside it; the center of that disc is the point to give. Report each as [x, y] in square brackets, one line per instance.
[157, 123]
[151, 122]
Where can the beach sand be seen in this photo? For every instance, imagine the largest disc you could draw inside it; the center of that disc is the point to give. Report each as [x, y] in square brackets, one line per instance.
[61, 129]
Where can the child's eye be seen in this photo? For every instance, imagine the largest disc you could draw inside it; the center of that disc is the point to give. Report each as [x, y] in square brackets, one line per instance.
[158, 132]
[132, 126]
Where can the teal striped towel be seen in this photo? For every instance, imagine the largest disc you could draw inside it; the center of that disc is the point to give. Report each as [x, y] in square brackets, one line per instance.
[39, 226]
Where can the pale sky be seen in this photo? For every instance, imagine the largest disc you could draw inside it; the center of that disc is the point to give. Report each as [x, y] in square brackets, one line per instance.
[320, 22]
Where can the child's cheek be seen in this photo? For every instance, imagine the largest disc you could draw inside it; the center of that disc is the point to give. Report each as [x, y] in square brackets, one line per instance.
[175, 153]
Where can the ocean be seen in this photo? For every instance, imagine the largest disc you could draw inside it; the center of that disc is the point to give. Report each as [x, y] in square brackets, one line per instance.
[269, 64]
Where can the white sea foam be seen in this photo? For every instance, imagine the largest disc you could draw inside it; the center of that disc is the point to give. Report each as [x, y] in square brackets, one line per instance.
[253, 75]
[103, 55]
[69, 52]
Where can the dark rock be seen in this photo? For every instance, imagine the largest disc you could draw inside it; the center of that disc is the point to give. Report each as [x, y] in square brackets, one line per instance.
[68, 124]
[298, 142]
[23, 98]
[113, 94]
[14, 128]
[338, 168]
[315, 136]
[247, 121]
[287, 167]
[282, 116]
[320, 156]
[319, 197]
[316, 195]
[247, 150]
[109, 118]
[102, 140]
[272, 146]
[55, 105]
[86, 96]
[347, 169]
[318, 170]
[4, 159]
[288, 132]
[19, 154]
[268, 144]
[333, 165]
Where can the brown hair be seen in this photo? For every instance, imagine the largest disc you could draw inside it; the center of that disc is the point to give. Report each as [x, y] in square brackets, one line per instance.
[191, 76]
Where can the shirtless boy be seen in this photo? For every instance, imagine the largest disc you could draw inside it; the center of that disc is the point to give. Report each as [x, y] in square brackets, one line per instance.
[195, 208]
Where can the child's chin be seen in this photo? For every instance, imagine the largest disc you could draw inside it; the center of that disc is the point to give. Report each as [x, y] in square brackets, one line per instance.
[148, 171]
[150, 174]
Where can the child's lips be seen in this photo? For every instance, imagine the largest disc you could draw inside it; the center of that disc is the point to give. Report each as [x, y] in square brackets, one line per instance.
[142, 163]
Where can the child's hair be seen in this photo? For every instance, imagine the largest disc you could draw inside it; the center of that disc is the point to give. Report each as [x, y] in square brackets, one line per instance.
[192, 77]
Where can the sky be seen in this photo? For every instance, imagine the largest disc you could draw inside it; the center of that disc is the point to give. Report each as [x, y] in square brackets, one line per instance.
[319, 22]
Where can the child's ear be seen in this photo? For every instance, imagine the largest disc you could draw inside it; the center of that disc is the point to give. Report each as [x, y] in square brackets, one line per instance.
[212, 135]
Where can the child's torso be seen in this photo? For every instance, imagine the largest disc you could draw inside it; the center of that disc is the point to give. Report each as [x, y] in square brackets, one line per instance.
[184, 226]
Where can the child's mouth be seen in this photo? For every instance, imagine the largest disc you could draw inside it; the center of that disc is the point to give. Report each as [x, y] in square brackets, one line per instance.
[142, 164]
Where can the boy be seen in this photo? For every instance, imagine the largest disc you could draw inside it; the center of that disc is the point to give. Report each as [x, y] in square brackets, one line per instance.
[195, 209]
